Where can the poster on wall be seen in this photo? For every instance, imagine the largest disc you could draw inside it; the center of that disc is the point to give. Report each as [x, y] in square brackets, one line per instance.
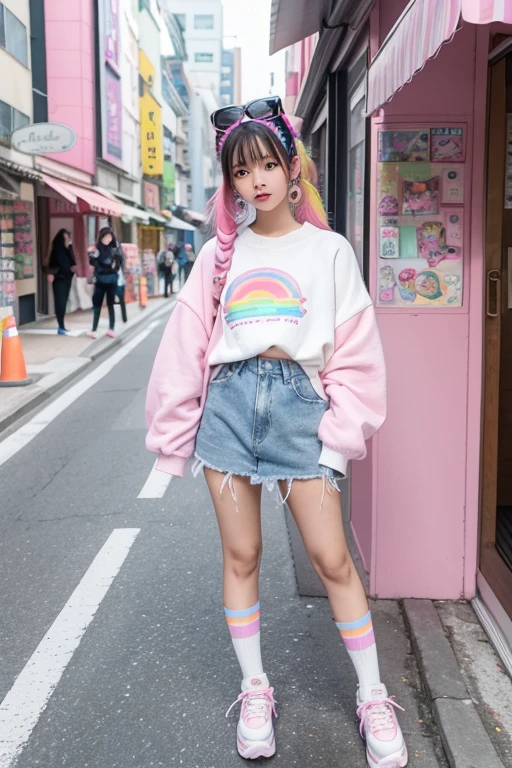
[404, 146]
[420, 213]
[114, 110]
[23, 240]
[447, 145]
[112, 32]
[7, 262]
[508, 164]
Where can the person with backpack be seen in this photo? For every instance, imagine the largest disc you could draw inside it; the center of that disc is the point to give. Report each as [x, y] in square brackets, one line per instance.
[107, 260]
[271, 373]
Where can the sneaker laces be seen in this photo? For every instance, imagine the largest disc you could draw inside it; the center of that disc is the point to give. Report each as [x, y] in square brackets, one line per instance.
[256, 702]
[379, 714]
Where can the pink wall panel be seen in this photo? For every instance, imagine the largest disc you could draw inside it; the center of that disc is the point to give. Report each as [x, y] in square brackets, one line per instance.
[70, 65]
[422, 457]
[422, 536]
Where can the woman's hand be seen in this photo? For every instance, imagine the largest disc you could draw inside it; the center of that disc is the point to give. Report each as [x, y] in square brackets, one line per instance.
[51, 278]
[73, 269]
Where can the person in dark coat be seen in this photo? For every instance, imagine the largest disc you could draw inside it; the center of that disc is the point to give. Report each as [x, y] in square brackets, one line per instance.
[107, 260]
[62, 265]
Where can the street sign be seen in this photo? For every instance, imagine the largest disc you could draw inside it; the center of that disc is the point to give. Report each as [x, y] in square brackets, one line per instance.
[40, 138]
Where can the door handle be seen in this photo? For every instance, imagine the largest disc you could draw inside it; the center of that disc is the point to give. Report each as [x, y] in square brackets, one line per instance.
[493, 307]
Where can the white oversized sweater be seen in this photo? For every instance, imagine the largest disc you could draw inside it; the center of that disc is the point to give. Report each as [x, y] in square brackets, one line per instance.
[303, 292]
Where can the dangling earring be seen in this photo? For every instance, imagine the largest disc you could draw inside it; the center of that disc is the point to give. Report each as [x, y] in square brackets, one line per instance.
[294, 193]
[242, 208]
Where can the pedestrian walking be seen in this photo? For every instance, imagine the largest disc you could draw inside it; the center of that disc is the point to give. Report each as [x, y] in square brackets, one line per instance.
[62, 267]
[166, 260]
[107, 260]
[271, 373]
[191, 257]
[182, 259]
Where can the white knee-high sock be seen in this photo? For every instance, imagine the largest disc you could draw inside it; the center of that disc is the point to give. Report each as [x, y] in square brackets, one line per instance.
[360, 643]
[244, 627]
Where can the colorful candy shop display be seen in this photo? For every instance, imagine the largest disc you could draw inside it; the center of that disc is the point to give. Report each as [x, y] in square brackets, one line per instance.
[420, 197]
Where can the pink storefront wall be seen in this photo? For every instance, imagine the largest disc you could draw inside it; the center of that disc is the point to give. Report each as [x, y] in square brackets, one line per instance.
[70, 73]
[415, 500]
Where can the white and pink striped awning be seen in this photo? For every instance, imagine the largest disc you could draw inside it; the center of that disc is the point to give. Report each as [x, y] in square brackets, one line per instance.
[419, 33]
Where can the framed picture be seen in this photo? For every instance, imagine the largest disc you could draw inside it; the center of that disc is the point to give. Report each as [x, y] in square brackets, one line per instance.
[421, 198]
[404, 146]
[447, 145]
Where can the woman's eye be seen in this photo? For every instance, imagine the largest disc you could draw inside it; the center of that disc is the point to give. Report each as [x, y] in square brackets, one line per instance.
[270, 166]
[240, 174]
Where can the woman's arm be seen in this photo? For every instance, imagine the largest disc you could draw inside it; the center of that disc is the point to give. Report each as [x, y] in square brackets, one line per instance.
[354, 378]
[173, 405]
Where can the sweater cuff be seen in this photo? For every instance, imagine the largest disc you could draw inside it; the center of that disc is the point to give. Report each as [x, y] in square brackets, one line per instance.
[172, 465]
[333, 459]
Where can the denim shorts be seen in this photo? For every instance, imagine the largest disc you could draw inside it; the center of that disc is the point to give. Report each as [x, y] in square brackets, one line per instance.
[261, 420]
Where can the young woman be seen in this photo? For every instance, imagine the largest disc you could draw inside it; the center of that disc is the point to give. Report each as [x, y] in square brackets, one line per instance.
[107, 260]
[270, 372]
[62, 265]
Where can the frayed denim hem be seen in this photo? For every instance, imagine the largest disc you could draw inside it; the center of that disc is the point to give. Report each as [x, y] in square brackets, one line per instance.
[329, 481]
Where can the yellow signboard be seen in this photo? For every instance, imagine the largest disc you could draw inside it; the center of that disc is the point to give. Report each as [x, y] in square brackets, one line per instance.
[146, 69]
[151, 129]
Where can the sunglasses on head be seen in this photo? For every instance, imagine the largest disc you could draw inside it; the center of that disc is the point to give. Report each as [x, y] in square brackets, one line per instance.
[269, 109]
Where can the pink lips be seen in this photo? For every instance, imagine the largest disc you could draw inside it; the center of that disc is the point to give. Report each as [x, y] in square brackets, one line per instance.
[262, 197]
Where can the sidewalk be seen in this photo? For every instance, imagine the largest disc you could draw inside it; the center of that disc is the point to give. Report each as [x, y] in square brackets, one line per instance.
[464, 687]
[53, 360]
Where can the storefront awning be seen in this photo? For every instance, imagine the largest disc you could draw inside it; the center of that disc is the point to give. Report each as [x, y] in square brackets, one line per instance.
[175, 223]
[131, 213]
[419, 33]
[86, 199]
[294, 20]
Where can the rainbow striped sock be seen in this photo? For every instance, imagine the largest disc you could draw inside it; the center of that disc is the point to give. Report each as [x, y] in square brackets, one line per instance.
[360, 643]
[244, 627]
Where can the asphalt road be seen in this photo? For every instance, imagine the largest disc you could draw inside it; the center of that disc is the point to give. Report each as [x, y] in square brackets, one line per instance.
[113, 646]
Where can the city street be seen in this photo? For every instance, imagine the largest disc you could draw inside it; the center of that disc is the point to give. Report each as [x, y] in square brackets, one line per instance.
[114, 648]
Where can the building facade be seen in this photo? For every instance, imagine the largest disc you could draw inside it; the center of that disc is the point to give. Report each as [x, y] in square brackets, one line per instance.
[18, 233]
[417, 177]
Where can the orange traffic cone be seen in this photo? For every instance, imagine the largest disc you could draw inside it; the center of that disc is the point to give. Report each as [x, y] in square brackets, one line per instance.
[13, 372]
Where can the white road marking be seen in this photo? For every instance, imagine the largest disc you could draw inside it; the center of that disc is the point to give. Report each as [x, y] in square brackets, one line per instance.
[29, 696]
[19, 439]
[156, 484]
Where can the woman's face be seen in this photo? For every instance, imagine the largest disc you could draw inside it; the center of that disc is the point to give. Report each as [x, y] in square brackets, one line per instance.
[106, 239]
[67, 239]
[263, 184]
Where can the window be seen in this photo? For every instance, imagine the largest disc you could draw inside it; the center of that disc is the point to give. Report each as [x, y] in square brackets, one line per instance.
[182, 20]
[13, 35]
[10, 120]
[206, 58]
[204, 21]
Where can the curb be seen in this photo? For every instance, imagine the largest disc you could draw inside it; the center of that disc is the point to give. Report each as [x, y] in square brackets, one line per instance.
[465, 740]
[94, 353]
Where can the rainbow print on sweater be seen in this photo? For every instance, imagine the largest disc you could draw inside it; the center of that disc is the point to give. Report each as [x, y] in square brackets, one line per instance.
[263, 293]
[243, 624]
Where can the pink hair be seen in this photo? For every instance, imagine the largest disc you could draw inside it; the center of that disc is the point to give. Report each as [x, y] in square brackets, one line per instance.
[221, 211]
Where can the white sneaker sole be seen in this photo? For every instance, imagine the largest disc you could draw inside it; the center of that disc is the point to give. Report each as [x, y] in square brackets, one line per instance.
[251, 750]
[398, 760]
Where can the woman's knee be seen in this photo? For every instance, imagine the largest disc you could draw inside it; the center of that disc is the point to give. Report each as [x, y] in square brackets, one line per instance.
[244, 562]
[334, 568]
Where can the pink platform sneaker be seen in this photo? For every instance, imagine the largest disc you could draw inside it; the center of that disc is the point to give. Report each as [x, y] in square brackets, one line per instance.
[255, 732]
[385, 745]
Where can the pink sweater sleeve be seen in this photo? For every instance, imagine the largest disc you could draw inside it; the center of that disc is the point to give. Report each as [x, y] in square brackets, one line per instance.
[173, 403]
[355, 381]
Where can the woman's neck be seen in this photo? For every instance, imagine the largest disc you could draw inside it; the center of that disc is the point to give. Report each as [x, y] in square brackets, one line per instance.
[275, 223]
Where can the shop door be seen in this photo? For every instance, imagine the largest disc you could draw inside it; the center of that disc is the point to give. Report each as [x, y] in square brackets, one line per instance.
[496, 512]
